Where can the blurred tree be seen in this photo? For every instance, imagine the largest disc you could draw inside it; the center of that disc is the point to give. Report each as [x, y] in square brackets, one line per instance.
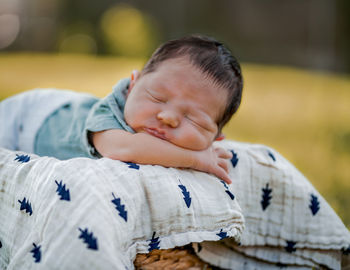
[343, 34]
[127, 31]
[313, 34]
[78, 37]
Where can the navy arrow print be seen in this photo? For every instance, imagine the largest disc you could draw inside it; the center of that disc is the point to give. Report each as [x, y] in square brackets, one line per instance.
[154, 244]
[222, 234]
[89, 239]
[228, 192]
[187, 197]
[25, 205]
[314, 204]
[290, 246]
[36, 253]
[22, 158]
[266, 197]
[132, 165]
[62, 191]
[120, 208]
[271, 156]
[234, 159]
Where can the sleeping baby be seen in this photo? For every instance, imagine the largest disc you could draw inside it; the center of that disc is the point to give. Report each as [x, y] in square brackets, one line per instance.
[168, 114]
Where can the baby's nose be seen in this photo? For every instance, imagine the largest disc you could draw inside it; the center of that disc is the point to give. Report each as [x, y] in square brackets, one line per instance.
[169, 118]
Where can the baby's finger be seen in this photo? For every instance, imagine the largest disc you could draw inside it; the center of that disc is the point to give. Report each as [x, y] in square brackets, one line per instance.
[222, 174]
[223, 163]
[223, 153]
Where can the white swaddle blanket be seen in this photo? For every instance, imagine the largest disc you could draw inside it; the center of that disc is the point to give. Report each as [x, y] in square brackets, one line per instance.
[98, 214]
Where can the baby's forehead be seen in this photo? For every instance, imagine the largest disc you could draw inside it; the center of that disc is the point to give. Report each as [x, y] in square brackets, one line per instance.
[183, 74]
[169, 68]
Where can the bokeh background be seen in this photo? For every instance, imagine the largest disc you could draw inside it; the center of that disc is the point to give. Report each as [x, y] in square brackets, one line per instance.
[295, 57]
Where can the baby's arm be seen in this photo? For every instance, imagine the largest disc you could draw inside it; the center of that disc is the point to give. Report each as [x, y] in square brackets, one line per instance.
[146, 149]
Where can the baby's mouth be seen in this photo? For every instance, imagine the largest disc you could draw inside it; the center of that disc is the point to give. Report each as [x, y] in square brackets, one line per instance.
[156, 133]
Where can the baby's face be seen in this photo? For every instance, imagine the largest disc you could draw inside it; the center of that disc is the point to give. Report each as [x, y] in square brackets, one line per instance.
[176, 103]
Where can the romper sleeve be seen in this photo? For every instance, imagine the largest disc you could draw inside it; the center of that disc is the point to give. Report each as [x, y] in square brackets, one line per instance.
[107, 113]
[101, 117]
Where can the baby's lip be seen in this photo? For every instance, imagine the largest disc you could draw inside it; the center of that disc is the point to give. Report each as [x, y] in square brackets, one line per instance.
[156, 133]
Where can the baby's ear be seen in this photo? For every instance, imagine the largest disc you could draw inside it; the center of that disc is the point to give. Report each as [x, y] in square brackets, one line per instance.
[220, 137]
[135, 74]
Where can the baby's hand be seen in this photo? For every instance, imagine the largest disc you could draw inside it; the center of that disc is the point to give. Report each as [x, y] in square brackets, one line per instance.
[214, 160]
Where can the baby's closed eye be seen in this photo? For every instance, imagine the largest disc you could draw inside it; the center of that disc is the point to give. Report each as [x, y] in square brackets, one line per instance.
[197, 122]
[156, 98]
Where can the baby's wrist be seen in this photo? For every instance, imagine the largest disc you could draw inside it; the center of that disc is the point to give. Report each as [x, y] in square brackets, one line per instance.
[194, 160]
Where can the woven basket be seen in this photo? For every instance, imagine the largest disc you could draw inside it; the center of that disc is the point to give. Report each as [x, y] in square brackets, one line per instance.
[175, 258]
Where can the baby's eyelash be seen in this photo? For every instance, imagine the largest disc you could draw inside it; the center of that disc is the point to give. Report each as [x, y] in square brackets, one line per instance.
[196, 123]
[155, 98]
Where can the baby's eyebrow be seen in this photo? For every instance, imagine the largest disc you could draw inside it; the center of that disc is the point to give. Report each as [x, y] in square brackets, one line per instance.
[162, 87]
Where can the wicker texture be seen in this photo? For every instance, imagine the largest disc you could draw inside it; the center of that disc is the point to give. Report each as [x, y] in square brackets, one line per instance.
[176, 258]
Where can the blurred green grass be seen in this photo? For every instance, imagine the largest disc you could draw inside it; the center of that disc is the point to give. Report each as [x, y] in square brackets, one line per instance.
[303, 115]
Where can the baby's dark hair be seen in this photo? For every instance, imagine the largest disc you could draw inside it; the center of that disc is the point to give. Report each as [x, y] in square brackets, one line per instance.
[212, 58]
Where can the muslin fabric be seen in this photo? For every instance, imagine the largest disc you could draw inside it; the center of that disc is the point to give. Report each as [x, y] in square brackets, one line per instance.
[98, 214]
[287, 222]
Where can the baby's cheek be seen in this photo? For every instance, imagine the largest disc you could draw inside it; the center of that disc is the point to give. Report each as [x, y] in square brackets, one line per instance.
[197, 140]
